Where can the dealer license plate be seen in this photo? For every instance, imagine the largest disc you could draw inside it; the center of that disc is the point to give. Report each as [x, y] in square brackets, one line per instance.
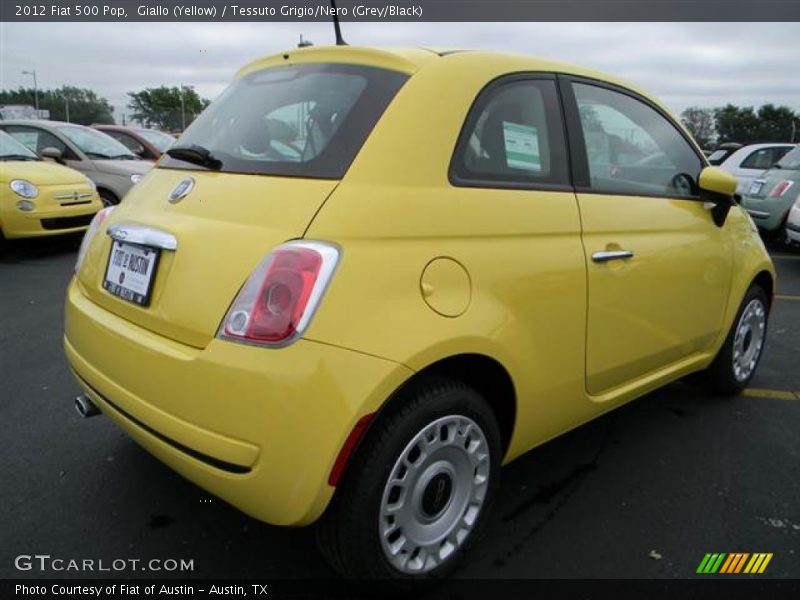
[131, 271]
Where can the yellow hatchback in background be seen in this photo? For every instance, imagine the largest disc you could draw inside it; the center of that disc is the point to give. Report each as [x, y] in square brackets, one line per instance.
[40, 198]
[365, 278]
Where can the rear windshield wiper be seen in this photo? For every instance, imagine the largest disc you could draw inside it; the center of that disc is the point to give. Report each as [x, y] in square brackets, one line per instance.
[197, 155]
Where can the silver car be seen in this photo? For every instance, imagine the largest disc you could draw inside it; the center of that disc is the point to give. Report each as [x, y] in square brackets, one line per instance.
[749, 162]
[112, 167]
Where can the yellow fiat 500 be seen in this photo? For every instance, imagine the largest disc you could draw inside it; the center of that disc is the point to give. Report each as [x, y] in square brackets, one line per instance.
[40, 198]
[365, 279]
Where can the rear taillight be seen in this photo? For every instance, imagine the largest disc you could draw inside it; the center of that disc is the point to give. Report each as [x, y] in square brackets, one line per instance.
[97, 221]
[276, 304]
[780, 189]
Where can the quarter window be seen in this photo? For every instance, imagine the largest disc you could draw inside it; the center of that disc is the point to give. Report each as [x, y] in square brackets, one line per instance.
[631, 148]
[513, 136]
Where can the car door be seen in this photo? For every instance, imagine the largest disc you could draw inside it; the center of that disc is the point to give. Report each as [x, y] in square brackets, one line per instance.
[658, 268]
[520, 240]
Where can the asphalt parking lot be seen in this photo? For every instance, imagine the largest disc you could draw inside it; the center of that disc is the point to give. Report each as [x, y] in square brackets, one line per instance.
[643, 492]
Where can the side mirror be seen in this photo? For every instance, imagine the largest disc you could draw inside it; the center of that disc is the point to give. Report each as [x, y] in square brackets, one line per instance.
[52, 154]
[719, 187]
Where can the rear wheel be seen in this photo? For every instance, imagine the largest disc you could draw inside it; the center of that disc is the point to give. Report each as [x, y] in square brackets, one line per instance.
[418, 491]
[736, 363]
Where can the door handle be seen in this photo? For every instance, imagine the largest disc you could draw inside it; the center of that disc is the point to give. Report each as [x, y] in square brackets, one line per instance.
[601, 257]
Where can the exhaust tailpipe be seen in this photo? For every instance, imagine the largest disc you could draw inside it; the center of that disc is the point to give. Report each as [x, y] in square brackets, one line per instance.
[85, 407]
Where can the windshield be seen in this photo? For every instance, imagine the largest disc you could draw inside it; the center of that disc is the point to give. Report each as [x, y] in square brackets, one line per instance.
[791, 161]
[161, 141]
[306, 120]
[718, 156]
[95, 144]
[11, 148]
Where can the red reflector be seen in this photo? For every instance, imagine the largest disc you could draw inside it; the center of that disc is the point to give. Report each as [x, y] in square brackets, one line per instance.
[347, 449]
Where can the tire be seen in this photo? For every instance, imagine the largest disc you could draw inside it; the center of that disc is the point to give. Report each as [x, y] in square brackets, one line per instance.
[440, 490]
[108, 198]
[737, 360]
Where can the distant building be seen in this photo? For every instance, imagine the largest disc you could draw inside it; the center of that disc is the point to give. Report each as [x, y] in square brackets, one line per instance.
[22, 111]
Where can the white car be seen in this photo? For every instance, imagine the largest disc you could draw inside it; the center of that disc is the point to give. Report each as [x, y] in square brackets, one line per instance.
[793, 224]
[748, 162]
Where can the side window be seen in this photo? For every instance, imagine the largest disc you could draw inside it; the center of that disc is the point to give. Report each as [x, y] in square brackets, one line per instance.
[37, 139]
[631, 148]
[513, 135]
[129, 142]
[760, 159]
[765, 158]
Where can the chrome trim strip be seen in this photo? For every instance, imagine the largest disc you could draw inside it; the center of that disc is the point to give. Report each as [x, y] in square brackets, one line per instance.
[758, 214]
[601, 257]
[73, 196]
[142, 235]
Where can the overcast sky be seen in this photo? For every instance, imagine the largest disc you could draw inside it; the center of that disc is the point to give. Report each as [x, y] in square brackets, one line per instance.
[705, 64]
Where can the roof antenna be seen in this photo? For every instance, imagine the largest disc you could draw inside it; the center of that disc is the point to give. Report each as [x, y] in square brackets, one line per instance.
[304, 43]
[339, 39]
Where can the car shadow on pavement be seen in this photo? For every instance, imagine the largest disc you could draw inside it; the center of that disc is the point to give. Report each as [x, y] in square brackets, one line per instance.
[17, 251]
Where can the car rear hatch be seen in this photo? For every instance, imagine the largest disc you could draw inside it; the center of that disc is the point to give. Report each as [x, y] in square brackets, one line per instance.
[223, 228]
[250, 174]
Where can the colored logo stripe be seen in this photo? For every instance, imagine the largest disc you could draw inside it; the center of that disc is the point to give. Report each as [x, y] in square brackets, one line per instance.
[735, 562]
[710, 563]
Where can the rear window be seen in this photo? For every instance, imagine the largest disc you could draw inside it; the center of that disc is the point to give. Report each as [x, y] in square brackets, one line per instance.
[791, 160]
[304, 121]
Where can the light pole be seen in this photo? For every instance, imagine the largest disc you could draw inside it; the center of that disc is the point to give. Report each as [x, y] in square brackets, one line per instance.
[66, 106]
[183, 112]
[35, 88]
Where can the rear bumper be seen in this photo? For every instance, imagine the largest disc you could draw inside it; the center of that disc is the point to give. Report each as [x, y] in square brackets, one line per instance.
[768, 214]
[259, 428]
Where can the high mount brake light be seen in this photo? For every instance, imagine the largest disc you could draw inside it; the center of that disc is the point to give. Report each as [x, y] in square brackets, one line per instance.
[280, 297]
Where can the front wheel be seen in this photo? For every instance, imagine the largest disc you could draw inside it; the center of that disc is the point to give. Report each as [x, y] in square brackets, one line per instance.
[108, 198]
[418, 491]
[736, 363]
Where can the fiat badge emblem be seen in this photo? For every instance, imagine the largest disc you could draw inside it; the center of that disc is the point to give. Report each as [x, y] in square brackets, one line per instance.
[181, 190]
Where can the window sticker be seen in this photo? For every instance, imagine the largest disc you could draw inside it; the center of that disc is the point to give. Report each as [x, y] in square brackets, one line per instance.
[522, 147]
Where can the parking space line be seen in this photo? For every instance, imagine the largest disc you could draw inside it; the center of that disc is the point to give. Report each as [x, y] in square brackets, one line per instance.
[786, 297]
[772, 394]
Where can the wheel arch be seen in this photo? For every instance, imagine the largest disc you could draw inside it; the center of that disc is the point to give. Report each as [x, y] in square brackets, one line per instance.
[104, 188]
[484, 374]
[765, 280]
